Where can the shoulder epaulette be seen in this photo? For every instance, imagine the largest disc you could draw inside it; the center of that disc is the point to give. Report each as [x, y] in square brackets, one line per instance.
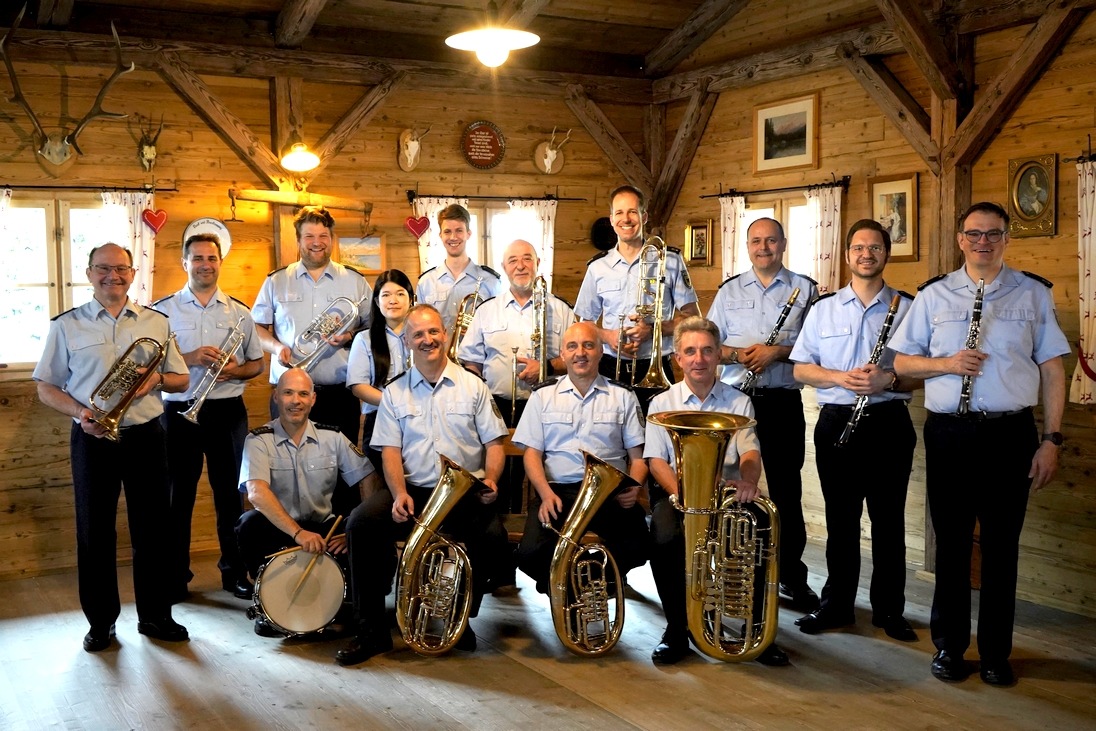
[821, 297]
[427, 272]
[564, 301]
[905, 294]
[396, 377]
[471, 372]
[622, 384]
[809, 279]
[1037, 278]
[597, 256]
[935, 279]
[149, 309]
[71, 309]
[163, 299]
[546, 382]
[674, 249]
[488, 269]
[275, 271]
[327, 427]
[349, 268]
[730, 279]
[483, 302]
[260, 430]
[239, 302]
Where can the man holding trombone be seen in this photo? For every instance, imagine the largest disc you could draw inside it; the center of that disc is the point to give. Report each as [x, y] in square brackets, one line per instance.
[124, 348]
[216, 336]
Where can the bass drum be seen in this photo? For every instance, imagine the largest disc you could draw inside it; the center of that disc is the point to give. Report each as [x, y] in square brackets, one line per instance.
[299, 611]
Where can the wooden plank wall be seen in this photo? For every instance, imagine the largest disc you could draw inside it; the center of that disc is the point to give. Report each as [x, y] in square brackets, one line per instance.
[36, 533]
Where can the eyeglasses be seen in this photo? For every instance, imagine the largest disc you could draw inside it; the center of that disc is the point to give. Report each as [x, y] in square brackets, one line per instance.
[105, 269]
[874, 248]
[993, 235]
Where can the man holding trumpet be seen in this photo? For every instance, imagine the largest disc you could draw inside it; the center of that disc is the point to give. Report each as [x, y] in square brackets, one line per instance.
[208, 421]
[82, 349]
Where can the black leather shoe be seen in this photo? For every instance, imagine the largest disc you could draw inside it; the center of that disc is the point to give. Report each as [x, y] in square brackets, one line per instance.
[165, 629]
[263, 628]
[467, 640]
[98, 638]
[820, 620]
[997, 672]
[896, 627]
[949, 666]
[241, 588]
[803, 597]
[774, 657]
[361, 649]
[670, 650]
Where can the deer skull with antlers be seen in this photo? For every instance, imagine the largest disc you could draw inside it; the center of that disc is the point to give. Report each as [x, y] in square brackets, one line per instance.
[548, 153]
[57, 147]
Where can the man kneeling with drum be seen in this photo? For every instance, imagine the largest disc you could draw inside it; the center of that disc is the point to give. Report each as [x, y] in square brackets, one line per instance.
[290, 467]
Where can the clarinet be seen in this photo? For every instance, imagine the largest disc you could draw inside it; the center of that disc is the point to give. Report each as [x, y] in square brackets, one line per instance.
[751, 376]
[876, 354]
[972, 344]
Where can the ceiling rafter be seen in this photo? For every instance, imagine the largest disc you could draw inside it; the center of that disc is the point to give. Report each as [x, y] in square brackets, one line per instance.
[708, 18]
[925, 47]
[295, 22]
[517, 14]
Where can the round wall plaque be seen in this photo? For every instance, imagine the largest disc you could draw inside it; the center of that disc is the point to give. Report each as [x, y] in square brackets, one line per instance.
[210, 226]
[483, 145]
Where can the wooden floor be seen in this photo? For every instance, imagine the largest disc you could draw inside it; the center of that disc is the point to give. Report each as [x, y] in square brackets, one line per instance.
[226, 677]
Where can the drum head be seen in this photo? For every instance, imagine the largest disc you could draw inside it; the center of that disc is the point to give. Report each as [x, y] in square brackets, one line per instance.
[310, 608]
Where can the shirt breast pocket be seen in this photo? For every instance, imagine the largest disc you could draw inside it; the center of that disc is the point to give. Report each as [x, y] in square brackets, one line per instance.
[559, 430]
[609, 287]
[287, 297]
[607, 426]
[737, 315]
[281, 468]
[84, 341]
[439, 296]
[462, 415]
[1006, 326]
[321, 469]
[403, 412]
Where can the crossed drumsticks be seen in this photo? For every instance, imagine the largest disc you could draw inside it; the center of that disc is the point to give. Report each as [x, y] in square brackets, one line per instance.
[312, 563]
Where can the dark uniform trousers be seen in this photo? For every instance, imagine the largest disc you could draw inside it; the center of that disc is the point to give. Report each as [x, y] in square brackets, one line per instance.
[258, 538]
[622, 531]
[873, 467]
[100, 469]
[218, 437]
[372, 534]
[782, 430]
[977, 468]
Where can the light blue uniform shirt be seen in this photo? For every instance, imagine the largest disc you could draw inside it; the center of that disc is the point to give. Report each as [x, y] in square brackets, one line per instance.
[86, 341]
[454, 417]
[722, 398]
[746, 312]
[1019, 330]
[500, 324]
[610, 289]
[840, 334]
[302, 477]
[361, 367]
[437, 287]
[559, 421]
[195, 326]
[290, 300]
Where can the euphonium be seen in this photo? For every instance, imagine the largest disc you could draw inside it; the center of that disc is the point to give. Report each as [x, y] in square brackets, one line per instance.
[465, 311]
[725, 541]
[331, 323]
[123, 378]
[435, 576]
[581, 575]
[231, 344]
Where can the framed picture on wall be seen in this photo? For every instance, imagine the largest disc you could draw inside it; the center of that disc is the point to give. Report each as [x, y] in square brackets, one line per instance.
[366, 254]
[786, 135]
[1032, 196]
[894, 205]
[698, 243]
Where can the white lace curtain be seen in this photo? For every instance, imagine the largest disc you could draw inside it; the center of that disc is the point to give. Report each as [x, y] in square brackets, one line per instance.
[732, 211]
[1084, 375]
[142, 240]
[545, 211]
[431, 250]
[824, 232]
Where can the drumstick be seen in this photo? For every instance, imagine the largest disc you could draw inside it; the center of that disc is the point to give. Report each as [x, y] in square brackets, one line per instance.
[308, 569]
[284, 551]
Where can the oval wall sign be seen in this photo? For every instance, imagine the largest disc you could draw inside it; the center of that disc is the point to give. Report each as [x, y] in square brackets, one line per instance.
[483, 145]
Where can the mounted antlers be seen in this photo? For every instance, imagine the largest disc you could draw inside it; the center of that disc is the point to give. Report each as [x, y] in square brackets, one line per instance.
[57, 147]
[549, 151]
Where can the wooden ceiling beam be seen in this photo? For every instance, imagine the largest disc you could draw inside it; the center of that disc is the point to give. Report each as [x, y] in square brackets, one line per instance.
[517, 14]
[984, 16]
[708, 18]
[925, 47]
[54, 13]
[686, 141]
[608, 138]
[287, 103]
[295, 22]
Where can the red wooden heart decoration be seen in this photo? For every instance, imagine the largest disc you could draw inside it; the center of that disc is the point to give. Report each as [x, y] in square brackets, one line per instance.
[417, 226]
[154, 219]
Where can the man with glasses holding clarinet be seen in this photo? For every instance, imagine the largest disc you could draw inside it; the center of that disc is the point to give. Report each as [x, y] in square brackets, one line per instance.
[982, 462]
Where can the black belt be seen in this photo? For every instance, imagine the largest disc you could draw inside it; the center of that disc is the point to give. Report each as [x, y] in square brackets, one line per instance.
[771, 391]
[177, 406]
[987, 415]
[320, 387]
[845, 410]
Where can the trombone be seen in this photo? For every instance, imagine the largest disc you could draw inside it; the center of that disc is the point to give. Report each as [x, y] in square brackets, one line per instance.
[125, 378]
[231, 344]
[651, 284]
[331, 323]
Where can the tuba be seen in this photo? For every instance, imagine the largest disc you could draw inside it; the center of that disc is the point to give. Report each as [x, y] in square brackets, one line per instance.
[434, 593]
[231, 344]
[587, 619]
[726, 542]
[465, 311]
[651, 285]
[331, 323]
[124, 381]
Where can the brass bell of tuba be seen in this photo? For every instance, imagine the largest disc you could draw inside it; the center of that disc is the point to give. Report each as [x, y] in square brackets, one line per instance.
[726, 542]
[587, 619]
[434, 591]
[123, 381]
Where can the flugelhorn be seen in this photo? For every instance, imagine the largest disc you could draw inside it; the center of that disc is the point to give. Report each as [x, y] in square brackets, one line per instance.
[465, 310]
[434, 590]
[750, 380]
[124, 380]
[331, 323]
[587, 618]
[228, 349]
[726, 542]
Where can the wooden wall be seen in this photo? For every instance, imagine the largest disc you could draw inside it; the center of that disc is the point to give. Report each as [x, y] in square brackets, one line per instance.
[36, 532]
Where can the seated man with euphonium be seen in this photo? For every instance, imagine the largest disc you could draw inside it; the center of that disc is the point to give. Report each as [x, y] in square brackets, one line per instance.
[434, 409]
[581, 411]
[696, 350]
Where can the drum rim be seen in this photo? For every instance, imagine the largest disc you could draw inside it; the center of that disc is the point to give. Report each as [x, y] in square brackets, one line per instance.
[261, 608]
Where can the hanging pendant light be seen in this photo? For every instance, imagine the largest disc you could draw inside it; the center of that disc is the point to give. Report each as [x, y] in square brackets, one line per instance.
[296, 157]
[492, 44]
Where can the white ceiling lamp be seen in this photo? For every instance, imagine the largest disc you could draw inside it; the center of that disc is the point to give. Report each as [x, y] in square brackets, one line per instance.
[296, 157]
[492, 44]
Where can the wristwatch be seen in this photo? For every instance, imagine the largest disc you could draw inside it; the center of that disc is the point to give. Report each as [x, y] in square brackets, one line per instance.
[1054, 437]
[734, 356]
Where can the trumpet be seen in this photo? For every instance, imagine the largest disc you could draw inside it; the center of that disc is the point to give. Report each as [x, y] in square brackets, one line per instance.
[124, 379]
[750, 380]
[651, 284]
[331, 323]
[539, 341]
[228, 348]
[465, 311]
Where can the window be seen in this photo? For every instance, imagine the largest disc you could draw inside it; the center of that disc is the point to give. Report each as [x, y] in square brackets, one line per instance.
[792, 212]
[501, 226]
[45, 242]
